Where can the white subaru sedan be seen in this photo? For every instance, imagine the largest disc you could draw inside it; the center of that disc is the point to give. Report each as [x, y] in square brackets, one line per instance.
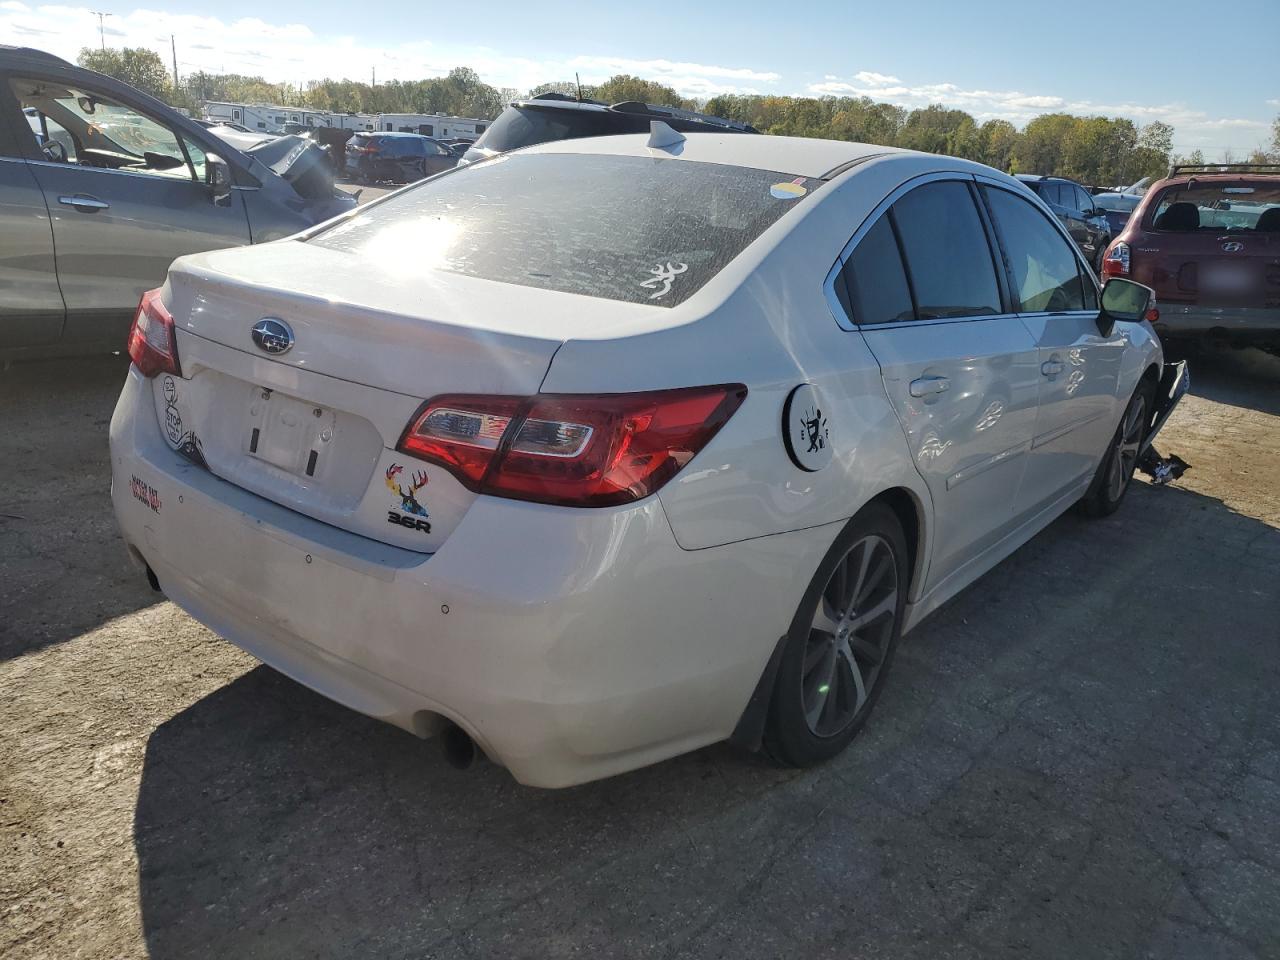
[604, 450]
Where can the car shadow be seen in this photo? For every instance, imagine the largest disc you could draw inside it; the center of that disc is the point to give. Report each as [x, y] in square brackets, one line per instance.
[1248, 378]
[63, 566]
[271, 822]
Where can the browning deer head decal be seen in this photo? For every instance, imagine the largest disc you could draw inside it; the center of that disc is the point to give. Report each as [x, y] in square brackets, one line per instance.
[408, 502]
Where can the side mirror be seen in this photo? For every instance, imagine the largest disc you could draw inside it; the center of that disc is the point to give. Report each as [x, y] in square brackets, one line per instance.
[217, 177]
[1124, 300]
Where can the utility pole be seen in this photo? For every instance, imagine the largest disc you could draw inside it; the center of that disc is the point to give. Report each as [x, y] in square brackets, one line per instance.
[101, 36]
[375, 77]
[173, 46]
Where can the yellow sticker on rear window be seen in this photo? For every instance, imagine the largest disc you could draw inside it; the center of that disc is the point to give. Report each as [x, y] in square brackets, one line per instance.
[788, 191]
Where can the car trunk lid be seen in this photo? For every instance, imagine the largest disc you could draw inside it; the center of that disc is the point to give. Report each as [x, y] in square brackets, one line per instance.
[315, 427]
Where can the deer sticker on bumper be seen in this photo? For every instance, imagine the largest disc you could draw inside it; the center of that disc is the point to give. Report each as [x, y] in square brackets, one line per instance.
[410, 513]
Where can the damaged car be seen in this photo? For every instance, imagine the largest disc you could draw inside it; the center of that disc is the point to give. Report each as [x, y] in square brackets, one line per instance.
[102, 186]
[671, 450]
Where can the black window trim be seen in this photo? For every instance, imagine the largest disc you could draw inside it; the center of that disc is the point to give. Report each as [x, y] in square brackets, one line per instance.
[842, 318]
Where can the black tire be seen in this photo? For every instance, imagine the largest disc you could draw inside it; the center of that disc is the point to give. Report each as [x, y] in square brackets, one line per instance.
[791, 735]
[1107, 490]
[1098, 256]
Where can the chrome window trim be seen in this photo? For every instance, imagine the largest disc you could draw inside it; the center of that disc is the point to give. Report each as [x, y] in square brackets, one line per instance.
[829, 285]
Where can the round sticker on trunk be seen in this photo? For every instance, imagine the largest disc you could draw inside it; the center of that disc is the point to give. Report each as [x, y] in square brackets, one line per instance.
[788, 191]
[805, 430]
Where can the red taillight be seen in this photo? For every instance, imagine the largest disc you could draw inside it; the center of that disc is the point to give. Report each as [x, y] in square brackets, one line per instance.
[570, 449]
[153, 348]
[1116, 261]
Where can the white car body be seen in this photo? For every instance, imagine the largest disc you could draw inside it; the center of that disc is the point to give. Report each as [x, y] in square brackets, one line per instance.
[573, 643]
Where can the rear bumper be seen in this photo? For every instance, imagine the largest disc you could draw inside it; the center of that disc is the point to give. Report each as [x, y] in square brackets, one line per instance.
[1246, 324]
[570, 644]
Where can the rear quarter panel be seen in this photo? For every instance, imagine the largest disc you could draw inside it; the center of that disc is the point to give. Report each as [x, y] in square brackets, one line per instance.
[764, 321]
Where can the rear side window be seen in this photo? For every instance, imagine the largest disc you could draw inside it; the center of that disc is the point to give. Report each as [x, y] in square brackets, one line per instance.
[637, 229]
[1046, 272]
[874, 278]
[948, 260]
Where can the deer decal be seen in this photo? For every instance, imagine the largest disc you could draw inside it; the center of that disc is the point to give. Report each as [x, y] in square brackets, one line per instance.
[408, 502]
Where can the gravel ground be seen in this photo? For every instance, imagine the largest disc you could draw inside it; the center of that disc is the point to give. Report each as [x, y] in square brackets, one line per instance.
[1078, 757]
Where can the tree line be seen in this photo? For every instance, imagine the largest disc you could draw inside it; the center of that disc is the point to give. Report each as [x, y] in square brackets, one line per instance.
[1103, 151]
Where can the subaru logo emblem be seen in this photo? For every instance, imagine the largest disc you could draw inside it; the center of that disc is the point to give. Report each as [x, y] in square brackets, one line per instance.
[272, 336]
[1233, 246]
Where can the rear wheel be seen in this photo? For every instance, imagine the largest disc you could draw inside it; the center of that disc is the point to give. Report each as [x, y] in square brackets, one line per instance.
[1115, 473]
[841, 642]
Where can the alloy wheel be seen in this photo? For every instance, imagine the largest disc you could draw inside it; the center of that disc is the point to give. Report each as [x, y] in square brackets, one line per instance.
[849, 637]
[1124, 456]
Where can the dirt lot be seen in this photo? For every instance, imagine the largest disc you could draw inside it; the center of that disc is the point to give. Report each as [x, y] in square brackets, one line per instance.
[1079, 757]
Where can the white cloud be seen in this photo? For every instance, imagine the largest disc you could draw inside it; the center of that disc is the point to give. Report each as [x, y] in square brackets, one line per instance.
[1274, 103]
[294, 53]
[872, 79]
[1192, 125]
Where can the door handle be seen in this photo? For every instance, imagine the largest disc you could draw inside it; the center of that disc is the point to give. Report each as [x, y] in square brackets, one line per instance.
[927, 385]
[1051, 368]
[82, 201]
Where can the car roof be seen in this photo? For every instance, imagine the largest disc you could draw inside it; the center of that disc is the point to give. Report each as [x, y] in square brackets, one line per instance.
[8, 52]
[804, 156]
[1039, 177]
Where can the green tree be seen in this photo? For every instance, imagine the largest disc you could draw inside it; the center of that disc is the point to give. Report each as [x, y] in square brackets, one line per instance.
[626, 87]
[1040, 147]
[997, 140]
[136, 66]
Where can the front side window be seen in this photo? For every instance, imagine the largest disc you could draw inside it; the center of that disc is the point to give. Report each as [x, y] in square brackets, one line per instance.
[1046, 272]
[637, 229]
[948, 259]
[104, 133]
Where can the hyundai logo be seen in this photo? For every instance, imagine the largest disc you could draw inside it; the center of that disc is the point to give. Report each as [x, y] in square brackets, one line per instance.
[1233, 246]
[272, 335]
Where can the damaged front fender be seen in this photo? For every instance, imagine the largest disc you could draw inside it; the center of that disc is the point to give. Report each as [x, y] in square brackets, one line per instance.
[1175, 381]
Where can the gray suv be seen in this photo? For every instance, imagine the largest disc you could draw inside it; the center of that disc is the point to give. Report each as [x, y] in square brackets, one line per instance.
[102, 186]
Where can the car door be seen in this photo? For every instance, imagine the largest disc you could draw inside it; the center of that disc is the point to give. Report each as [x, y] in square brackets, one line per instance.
[439, 157]
[31, 308]
[124, 202]
[958, 366]
[1072, 216]
[1079, 367]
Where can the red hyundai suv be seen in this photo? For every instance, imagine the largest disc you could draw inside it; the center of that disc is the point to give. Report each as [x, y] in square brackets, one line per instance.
[1207, 240]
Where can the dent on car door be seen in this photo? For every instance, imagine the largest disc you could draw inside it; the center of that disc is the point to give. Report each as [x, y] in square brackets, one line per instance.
[1079, 366]
[31, 309]
[959, 369]
[125, 201]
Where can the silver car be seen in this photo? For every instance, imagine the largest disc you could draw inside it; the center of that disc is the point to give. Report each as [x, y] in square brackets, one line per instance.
[102, 186]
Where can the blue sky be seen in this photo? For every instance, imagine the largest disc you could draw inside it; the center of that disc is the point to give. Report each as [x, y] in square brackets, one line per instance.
[1217, 80]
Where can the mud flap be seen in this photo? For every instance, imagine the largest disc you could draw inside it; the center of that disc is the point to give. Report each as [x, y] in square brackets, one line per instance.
[1174, 383]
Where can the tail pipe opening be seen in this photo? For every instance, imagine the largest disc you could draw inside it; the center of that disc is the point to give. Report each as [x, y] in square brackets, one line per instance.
[459, 749]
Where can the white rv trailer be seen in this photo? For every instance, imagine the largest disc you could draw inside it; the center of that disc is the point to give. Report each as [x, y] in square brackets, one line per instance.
[431, 125]
[271, 118]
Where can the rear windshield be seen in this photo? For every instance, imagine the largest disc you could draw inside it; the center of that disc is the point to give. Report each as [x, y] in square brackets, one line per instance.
[1241, 205]
[637, 229]
[524, 126]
